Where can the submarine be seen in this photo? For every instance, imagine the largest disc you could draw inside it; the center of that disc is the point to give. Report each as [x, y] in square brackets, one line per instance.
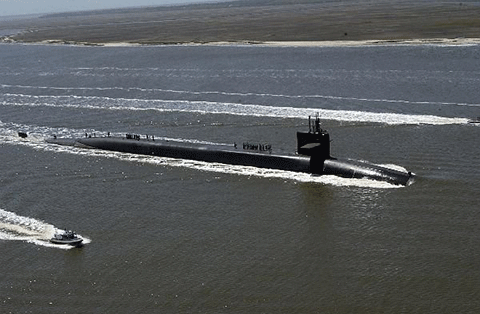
[312, 155]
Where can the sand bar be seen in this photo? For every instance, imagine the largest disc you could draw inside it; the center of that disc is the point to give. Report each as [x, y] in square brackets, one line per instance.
[262, 22]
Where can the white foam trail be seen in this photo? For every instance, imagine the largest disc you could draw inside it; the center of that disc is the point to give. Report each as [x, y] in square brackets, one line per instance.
[280, 174]
[224, 93]
[248, 171]
[209, 107]
[20, 228]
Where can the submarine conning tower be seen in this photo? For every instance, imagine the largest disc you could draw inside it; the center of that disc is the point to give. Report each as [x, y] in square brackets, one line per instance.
[315, 143]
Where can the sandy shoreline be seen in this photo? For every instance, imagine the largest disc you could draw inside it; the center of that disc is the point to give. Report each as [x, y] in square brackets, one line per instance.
[354, 43]
[334, 43]
[425, 41]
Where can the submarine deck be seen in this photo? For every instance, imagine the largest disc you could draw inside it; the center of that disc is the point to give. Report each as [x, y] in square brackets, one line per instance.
[255, 155]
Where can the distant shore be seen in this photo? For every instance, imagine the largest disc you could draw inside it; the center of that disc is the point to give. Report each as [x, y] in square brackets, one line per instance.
[339, 43]
[257, 22]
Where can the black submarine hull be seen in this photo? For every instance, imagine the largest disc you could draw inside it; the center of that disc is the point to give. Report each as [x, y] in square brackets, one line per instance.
[356, 169]
[237, 156]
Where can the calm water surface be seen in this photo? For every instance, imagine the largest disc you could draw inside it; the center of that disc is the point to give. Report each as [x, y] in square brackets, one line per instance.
[176, 236]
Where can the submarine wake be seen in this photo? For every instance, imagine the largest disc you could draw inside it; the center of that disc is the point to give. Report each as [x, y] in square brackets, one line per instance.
[30, 230]
[241, 94]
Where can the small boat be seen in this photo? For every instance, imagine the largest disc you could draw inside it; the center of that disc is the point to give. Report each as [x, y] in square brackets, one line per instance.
[66, 237]
[22, 134]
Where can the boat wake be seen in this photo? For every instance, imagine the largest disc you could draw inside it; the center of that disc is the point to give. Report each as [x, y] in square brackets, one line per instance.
[30, 230]
[228, 108]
